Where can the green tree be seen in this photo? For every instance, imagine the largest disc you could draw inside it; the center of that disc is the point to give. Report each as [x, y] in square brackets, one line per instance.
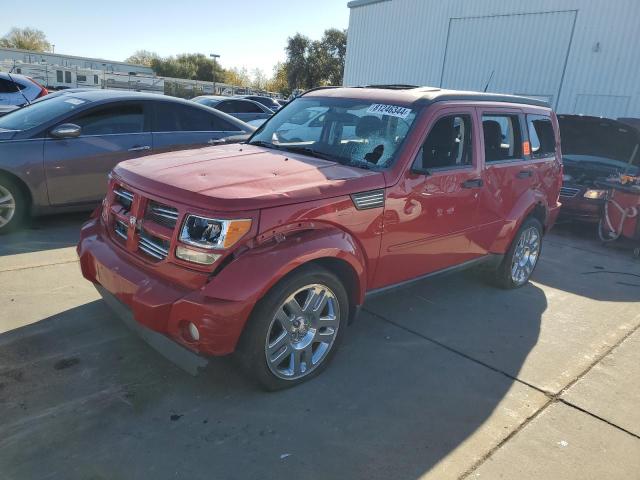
[192, 66]
[316, 63]
[142, 57]
[26, 39]
[278, 82]
[237, 77]
[259, 80]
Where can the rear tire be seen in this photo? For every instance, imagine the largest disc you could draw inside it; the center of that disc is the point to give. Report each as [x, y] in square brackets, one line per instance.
[521, 259]
[295, 329]
[13, 205]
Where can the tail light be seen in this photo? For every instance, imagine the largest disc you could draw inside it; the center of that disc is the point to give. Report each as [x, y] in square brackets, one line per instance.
[43, 91]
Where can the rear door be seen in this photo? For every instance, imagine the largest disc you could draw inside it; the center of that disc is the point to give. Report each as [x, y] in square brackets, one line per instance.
[77, 168]
[177, 126]
[507, 174]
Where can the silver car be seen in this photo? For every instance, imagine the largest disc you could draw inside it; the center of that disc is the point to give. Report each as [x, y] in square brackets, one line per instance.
[241, 108]
[55, 154]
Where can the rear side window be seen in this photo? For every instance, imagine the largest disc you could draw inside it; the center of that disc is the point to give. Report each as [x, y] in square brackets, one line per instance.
[541, 136]
[7, 86]
[448, 145]
[502, 138]
[238, 106]
[115, 119]
[181, 118]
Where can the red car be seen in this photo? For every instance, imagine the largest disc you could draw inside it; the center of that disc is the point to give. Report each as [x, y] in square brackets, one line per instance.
[594, 148]
[268, 249]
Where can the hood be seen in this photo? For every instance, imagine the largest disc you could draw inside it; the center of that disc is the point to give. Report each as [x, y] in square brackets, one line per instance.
[594, 147]
[243, 177]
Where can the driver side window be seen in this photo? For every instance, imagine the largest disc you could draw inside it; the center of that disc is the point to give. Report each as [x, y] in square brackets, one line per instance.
[448, 145]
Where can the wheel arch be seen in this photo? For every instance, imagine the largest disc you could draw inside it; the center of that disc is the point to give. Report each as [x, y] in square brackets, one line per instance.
[24, 188]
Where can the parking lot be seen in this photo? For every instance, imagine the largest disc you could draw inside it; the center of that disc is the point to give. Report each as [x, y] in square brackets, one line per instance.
[449, 378]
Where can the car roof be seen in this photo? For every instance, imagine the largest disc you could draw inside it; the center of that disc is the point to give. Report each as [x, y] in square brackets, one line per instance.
[211, 97]
[418, 96]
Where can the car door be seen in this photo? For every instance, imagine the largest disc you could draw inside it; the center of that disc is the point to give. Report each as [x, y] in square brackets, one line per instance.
[177, 126]
[430, 213]
[243, 109]
[506, 175]
[76, 168]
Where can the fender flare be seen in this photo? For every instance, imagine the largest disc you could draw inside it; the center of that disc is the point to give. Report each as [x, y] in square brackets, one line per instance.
[254, 272]
[527, 205]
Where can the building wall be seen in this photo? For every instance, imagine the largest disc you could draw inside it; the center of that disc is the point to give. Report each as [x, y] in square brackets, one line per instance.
[582, 55]
[26, 56]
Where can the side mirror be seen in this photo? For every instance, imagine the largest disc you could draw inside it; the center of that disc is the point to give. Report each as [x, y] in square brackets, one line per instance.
[66, 130]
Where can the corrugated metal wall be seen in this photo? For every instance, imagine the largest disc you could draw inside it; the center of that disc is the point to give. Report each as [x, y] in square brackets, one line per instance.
[583, 55]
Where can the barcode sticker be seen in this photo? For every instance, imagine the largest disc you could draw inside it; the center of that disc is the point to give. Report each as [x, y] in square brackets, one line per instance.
[390, 110]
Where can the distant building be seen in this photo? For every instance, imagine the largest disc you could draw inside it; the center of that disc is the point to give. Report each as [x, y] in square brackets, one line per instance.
[71, 61]
[580, 55]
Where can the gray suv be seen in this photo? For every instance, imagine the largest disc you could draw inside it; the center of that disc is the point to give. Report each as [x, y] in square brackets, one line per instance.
[55, 154]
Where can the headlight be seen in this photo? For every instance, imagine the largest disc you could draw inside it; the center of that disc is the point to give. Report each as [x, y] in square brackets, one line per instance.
[211, 233]
[595, 194]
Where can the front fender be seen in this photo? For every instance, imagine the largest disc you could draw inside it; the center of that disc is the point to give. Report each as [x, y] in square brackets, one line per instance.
[250, 276]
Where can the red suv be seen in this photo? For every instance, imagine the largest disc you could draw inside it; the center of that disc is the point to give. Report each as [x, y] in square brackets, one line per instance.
[268, 248]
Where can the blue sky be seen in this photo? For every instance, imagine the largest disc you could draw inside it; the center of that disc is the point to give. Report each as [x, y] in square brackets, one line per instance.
[250, 33]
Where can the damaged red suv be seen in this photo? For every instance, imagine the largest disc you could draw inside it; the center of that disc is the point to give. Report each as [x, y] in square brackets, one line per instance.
[267, 249]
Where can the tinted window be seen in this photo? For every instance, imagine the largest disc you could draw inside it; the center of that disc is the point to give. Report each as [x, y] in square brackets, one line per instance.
[67, 77]
[59, 76]
[40, 112]
[95, 79]
[113, 119]
[7, 86]
[182, 118]
[502, 137]
[448, 144]
[541, 136]
[81, 78]
[238, 106]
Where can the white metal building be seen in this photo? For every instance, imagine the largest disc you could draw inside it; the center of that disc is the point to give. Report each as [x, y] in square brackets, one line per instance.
[581, 55]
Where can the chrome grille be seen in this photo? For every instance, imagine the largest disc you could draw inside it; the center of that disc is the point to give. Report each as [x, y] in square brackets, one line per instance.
[162, 214]
[153, 246]
[367, 200]
[124, 197]
[120, 229]
[569, 192]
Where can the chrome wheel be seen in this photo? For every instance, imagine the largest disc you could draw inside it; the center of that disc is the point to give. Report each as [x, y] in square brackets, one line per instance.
[7, 206]
[525, 255]
[302, 332]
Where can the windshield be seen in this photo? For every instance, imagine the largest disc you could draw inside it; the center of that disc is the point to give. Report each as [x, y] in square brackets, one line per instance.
[352, 132]
[40, 112]
[206, 101]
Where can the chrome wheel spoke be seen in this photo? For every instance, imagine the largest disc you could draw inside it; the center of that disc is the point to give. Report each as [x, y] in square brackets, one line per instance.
[302, 332]
[7, 206]
[525, 255]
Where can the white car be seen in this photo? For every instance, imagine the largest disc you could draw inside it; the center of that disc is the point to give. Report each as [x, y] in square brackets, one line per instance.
[17, 90]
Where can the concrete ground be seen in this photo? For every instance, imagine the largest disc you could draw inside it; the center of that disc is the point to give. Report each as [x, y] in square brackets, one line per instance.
[447, 379]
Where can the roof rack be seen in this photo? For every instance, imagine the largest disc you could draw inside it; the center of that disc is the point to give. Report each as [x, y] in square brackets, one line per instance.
[392, 86]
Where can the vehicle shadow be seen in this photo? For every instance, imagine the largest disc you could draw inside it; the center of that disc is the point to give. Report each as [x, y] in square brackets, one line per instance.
[574, 262]
[84, 396]
[44, 233]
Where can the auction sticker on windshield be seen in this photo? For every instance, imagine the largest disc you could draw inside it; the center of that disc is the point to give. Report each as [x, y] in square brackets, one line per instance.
[391, 110]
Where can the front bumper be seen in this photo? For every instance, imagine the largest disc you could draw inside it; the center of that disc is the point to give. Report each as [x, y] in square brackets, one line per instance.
[159, 304]
[582, 209]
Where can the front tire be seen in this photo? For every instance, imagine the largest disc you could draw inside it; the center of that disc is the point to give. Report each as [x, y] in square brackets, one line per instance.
[521, 259]
[295, 329]
[13, 205]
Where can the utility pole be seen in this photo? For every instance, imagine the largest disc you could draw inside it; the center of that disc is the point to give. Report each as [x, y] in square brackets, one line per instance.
[214, 56]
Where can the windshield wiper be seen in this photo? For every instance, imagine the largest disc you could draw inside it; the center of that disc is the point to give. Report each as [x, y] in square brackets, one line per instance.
[311, 152]
[262, 143]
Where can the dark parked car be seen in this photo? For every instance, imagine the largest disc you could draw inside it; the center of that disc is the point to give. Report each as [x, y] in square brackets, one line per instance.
[241, 108]
[593, 148]
[268, 102]
[55, 154]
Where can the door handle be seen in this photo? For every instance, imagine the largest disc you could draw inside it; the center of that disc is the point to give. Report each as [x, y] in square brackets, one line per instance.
[524, 174]
[216, 141]
[140, 148]
[473, 183]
